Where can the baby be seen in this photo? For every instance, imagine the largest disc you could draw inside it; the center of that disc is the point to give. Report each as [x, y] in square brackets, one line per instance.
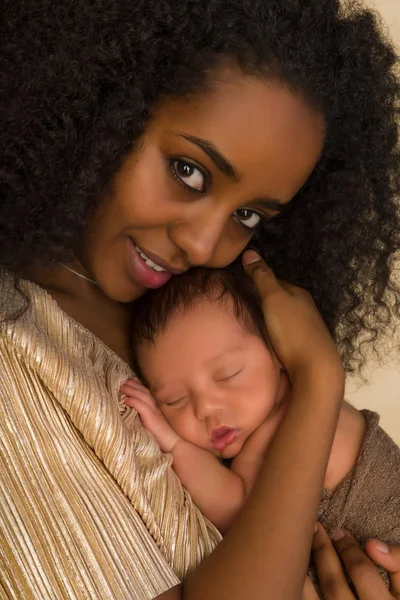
[215, 390]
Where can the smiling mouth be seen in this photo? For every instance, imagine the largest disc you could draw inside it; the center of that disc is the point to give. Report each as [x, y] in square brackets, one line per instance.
[149, 262]
[156, 263]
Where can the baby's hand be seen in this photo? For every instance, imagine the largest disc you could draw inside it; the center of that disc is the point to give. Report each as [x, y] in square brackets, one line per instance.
[139, 397]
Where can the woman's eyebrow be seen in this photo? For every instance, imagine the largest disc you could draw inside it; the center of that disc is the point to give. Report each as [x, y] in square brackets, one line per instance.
[227, 169]
[272, 204]
[220, 161]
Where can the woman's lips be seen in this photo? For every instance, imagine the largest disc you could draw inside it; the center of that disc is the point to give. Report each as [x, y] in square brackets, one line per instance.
[222, 437]
[142, 273]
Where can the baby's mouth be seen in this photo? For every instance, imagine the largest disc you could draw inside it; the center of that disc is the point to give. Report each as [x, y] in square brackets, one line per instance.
[222, 437]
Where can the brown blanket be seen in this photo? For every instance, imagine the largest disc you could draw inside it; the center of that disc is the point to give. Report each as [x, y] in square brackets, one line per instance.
[367, 502]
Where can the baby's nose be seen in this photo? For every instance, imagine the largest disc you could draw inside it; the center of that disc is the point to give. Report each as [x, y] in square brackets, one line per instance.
[207, 405]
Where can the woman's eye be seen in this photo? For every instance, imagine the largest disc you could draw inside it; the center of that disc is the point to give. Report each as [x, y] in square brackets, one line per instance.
[248, 218]
[188, 174]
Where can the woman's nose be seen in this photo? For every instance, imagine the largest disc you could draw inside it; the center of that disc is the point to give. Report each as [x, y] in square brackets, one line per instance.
[199, 237]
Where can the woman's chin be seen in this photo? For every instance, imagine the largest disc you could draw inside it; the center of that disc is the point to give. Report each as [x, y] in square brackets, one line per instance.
[125, 293]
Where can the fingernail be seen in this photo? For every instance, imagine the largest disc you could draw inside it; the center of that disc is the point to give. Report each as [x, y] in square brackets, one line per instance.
[381, 547]
[338, 534]
[250, 257]
[316, 528]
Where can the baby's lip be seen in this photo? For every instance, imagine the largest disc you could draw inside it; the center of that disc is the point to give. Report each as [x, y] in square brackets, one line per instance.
[222, 437]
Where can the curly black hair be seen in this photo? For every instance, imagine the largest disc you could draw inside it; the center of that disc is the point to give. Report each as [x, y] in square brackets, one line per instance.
[79, 81]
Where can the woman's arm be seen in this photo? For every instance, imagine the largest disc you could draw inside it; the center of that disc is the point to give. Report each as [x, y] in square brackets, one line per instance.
[265, 554]
[218, 491]
[248, 463]
[266, 551]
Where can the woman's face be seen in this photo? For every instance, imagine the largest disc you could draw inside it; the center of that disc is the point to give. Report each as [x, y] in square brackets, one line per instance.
[209, 170]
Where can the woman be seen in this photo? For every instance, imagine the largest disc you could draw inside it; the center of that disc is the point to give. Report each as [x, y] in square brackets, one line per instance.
[137, 141]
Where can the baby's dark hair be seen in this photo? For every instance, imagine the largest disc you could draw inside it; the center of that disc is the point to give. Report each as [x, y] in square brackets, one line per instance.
[230, 286]
[79, 83]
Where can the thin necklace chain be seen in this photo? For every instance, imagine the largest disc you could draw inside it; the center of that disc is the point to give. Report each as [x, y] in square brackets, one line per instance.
[79, 274]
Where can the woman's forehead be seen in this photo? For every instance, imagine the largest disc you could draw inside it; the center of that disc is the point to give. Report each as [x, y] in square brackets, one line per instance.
[265, 132]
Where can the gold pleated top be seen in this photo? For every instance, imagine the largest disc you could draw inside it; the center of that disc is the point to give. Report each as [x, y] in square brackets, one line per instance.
[90, 507]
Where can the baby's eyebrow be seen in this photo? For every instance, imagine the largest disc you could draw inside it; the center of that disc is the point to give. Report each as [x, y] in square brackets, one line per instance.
[155, 389]
[159, 387]
[234, 350]
[172, 398]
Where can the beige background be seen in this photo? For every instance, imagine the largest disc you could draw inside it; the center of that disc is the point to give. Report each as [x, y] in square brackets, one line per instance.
[382, 393]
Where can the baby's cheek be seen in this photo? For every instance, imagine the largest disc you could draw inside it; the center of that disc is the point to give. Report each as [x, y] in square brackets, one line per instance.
[176, 419]
[189, 428]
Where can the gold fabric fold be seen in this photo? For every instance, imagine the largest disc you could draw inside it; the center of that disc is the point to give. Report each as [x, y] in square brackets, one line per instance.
[90, 506]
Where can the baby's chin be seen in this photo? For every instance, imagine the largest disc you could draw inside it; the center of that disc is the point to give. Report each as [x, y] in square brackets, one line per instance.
[231, 451]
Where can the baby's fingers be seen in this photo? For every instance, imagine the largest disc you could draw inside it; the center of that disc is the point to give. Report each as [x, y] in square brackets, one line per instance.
[139, 405]
[134, 390]
[133, 384]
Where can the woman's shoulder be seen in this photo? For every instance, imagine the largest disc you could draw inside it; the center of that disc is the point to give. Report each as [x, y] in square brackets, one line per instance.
[33, 324]
[39, 342]
[59, 399]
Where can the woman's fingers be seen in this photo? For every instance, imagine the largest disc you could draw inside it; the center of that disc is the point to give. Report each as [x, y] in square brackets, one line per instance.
[309, 592]
[330, 571]
[361, 569]
[295, 328]
[329, 557]
[261, 274]
[386, 556]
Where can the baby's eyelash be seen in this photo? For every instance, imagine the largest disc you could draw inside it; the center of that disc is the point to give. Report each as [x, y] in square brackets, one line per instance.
[229, 376]
[177, 401]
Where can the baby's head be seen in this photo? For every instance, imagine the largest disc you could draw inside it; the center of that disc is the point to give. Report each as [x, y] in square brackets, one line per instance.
[201, 346]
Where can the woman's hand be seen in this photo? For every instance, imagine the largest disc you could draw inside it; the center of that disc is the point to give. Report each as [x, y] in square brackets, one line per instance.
[329, 556]
[259, 441]
[295, 327]
[140, 398]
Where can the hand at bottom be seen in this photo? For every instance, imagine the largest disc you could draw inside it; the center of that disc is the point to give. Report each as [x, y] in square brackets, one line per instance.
[330, 556]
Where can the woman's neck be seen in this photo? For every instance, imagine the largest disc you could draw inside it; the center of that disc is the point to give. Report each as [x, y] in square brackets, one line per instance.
[86, 303]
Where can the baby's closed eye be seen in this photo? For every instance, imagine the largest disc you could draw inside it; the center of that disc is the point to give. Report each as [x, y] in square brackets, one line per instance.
[174, 403]
[227, 375]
